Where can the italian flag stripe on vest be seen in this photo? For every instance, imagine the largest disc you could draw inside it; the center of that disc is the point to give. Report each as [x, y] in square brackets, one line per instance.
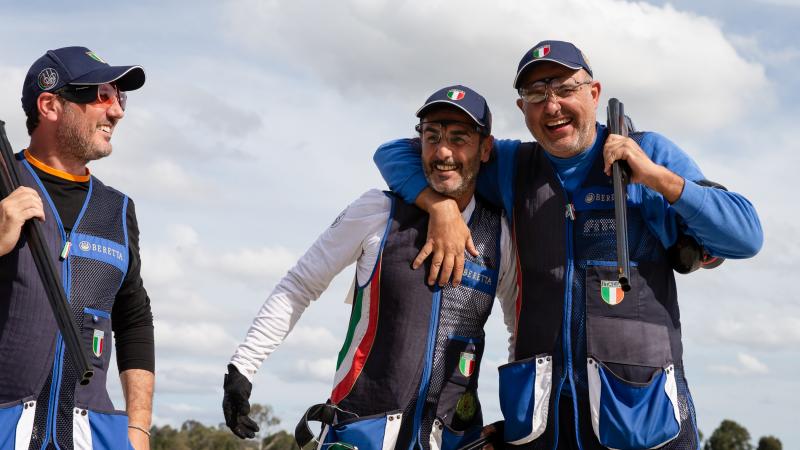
[359, 339]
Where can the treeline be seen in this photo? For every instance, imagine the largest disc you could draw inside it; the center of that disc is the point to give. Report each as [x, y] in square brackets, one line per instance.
[732, 436]
[193, 435]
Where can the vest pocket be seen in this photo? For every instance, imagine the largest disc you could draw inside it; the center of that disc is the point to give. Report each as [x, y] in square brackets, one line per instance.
[628, 416]
[458, 407]
[632, 390]
[97, 336]
[16, 422]
[525, 388]
[99, 430]
[445, 438]
[365, 433]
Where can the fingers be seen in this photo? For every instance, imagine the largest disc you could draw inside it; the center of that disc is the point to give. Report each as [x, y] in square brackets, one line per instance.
[246, 428]
[447, 267]
[22, 204]
[436, 265]
[423, 255]
[617, 148]
[471, 247]
[458, 269]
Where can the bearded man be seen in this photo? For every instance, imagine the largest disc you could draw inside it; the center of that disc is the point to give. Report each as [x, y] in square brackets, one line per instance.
[73, 101]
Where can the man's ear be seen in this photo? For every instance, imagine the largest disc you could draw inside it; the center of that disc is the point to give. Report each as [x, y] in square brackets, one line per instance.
[519, 105]
[49, 106]
[487, 145]
[595, 90]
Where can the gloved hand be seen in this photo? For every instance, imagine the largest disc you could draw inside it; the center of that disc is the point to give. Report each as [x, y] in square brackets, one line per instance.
[236, 404]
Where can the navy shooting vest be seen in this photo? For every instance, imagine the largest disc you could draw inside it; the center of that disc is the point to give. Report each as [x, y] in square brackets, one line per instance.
[41, 401]
[407, 374]
[620, 352]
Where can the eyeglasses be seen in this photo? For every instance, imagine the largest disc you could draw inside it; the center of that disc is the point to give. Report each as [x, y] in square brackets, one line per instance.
[537, 92]
[103, 94]
[456, 134]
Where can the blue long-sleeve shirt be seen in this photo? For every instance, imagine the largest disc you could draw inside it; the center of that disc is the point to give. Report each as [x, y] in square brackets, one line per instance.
[723, 222]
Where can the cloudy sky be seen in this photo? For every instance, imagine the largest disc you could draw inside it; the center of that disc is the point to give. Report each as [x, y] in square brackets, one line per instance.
[258, 122]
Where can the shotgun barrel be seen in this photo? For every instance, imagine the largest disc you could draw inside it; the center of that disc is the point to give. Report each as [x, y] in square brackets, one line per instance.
[620, 171]
[45, 266]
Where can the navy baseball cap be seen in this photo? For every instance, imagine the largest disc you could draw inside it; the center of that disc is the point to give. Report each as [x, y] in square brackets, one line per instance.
[559, 52]
[464, 99]
[77, 66]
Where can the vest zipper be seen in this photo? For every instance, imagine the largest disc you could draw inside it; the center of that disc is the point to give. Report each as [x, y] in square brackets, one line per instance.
[426, 371]
[66, 278]
[58, 359]
[567, 327]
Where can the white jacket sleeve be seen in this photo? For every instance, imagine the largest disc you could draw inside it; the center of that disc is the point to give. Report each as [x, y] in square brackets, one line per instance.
[355, 235]
[507, 288]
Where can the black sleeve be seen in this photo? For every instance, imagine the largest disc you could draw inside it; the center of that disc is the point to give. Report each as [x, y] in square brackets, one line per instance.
[131, 317]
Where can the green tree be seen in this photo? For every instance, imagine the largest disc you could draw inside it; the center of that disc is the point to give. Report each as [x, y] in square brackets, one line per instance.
[729, 436]
[279, 441]
[193, 435]
[769, 443]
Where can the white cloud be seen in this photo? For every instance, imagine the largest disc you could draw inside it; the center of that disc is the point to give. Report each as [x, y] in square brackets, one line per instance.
[790, 3]
[669, 66]
[252, 263]
[202, 339]
[759, 331]
[316, 339]
[747, 365]
[320, 370]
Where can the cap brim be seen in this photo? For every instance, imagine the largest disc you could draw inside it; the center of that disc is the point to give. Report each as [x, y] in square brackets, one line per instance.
[426, 106]
[127, 78]
[538, 60]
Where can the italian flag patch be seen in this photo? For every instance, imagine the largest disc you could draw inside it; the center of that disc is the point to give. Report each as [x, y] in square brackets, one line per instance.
[455, 94]
[540, 52]
[611, 291]
[97, 342]
[466, 364]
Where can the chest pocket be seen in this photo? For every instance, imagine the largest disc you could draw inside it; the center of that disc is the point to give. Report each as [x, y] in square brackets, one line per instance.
[631, 375]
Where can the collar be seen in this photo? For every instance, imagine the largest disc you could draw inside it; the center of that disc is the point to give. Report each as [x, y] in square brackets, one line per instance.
[466, 214]
[55, 172]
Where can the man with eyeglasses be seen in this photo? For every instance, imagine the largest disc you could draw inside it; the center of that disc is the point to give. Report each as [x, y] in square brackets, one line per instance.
[617, 377]
[73, 101]
[407, 373]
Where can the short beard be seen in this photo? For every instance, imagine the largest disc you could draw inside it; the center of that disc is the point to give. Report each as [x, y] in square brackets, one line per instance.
[76, 142]
[468, 180]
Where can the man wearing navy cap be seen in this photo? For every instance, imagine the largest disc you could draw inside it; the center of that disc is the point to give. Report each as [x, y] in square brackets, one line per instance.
[73, 101]
[407, 373]
[593, 367]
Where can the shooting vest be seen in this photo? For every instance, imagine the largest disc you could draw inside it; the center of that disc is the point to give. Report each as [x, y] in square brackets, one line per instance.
[407, 374]
[41, 401]
[619, 351]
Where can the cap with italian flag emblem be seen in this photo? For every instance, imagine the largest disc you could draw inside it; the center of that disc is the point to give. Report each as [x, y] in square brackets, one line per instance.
[464, 99]
[559, 52]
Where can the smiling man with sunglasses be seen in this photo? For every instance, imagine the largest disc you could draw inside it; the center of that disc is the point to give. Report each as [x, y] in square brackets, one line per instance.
[73, 101]
[617, 378]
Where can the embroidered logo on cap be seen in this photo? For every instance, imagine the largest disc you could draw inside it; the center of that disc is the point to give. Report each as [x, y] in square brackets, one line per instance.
[47, 78]
[455, 94]
[97, 342]
[466, 364]
[611, 291]
[540, 52]
[95, 57]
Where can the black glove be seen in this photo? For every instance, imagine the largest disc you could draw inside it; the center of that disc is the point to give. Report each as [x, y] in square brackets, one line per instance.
[236, 405]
